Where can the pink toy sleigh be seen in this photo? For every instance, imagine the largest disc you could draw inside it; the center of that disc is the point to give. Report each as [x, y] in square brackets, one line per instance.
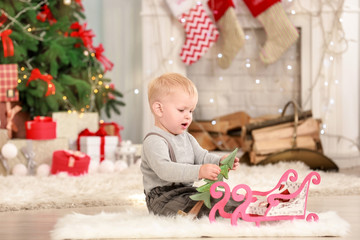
[286, 201]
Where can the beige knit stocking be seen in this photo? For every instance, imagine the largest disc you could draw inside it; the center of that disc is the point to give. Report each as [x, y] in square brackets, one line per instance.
[231, 38]
[281, 33]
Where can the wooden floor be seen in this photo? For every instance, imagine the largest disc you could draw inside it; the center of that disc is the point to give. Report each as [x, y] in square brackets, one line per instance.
[36, 225]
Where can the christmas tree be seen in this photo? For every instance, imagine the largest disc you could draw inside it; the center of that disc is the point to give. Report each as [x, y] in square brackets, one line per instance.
[59, 68]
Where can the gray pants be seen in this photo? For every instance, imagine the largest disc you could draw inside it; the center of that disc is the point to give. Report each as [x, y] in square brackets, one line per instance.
[167, 200]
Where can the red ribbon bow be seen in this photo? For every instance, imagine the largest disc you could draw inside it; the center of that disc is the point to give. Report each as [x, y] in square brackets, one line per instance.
[7, 43]
[46, 14]
[100, 133]
[108, 65]
[36, 74]
[85, 35]
[3, 19]
[80, 4]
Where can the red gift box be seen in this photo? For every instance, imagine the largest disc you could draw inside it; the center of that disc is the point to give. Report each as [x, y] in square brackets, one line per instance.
[75, 163]
[41, 128]
[8, 83]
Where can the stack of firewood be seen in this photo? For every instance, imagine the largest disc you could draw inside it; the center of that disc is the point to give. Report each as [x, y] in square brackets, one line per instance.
[263, 138]
[214, 134]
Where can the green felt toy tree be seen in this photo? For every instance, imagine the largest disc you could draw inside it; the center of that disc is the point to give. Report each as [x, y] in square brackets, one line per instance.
[59, 68]
[204, 190]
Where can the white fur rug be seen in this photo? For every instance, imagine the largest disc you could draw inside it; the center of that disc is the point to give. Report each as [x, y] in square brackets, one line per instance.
[125, 188]
[140, 224]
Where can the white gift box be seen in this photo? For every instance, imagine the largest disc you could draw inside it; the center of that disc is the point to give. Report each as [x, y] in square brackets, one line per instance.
[91, 145]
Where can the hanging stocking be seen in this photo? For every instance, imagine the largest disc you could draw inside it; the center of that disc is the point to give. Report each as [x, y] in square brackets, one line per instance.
[231, 37]
[281, 33]
[200, 31]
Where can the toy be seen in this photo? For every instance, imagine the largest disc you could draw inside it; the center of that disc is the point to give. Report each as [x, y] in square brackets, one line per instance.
[286, 201]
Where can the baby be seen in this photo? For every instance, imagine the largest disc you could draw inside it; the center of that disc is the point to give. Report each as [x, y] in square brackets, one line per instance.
[172, 159]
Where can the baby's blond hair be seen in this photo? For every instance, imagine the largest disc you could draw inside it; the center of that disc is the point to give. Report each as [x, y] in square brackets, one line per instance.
[168, 82]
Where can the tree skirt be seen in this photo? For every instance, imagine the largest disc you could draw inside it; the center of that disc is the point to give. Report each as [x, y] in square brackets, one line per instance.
[139, 224]
[125, 188]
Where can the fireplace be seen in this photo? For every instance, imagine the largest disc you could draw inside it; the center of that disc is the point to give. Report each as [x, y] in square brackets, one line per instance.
[248, 84]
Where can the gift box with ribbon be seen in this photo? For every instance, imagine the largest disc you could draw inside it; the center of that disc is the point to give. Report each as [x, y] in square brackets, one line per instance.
[75, 163]
[8, 83]
[41, 128]
[98, 145]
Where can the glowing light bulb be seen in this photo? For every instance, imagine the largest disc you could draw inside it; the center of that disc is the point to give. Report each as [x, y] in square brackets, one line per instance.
[293, 12]
[211, 100]
[289, 67]
[171, 61]
[213, 122]
[219, 55]
[64, 97]
[136, 91]
[67, 2]
[257, 81]
[172, 39]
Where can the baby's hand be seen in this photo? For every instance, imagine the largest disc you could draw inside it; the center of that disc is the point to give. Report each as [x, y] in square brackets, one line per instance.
[236, 161]
[209, 171]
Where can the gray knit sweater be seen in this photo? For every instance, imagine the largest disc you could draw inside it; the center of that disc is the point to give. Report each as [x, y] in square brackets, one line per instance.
[158, 169]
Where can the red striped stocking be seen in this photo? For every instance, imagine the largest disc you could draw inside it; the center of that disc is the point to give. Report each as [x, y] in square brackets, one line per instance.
[200, 31]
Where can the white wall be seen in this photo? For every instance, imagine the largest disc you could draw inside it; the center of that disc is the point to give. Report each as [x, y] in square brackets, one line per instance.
[329, 87]
[117, 25]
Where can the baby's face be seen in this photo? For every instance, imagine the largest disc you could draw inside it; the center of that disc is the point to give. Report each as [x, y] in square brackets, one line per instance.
[177, 114]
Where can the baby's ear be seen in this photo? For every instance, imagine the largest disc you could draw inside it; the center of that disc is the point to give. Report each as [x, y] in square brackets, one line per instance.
[157, 109]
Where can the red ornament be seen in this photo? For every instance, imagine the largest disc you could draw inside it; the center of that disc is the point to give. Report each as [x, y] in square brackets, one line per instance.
[108, 65]
[36, 74]
[81, 32]
[46, 14]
